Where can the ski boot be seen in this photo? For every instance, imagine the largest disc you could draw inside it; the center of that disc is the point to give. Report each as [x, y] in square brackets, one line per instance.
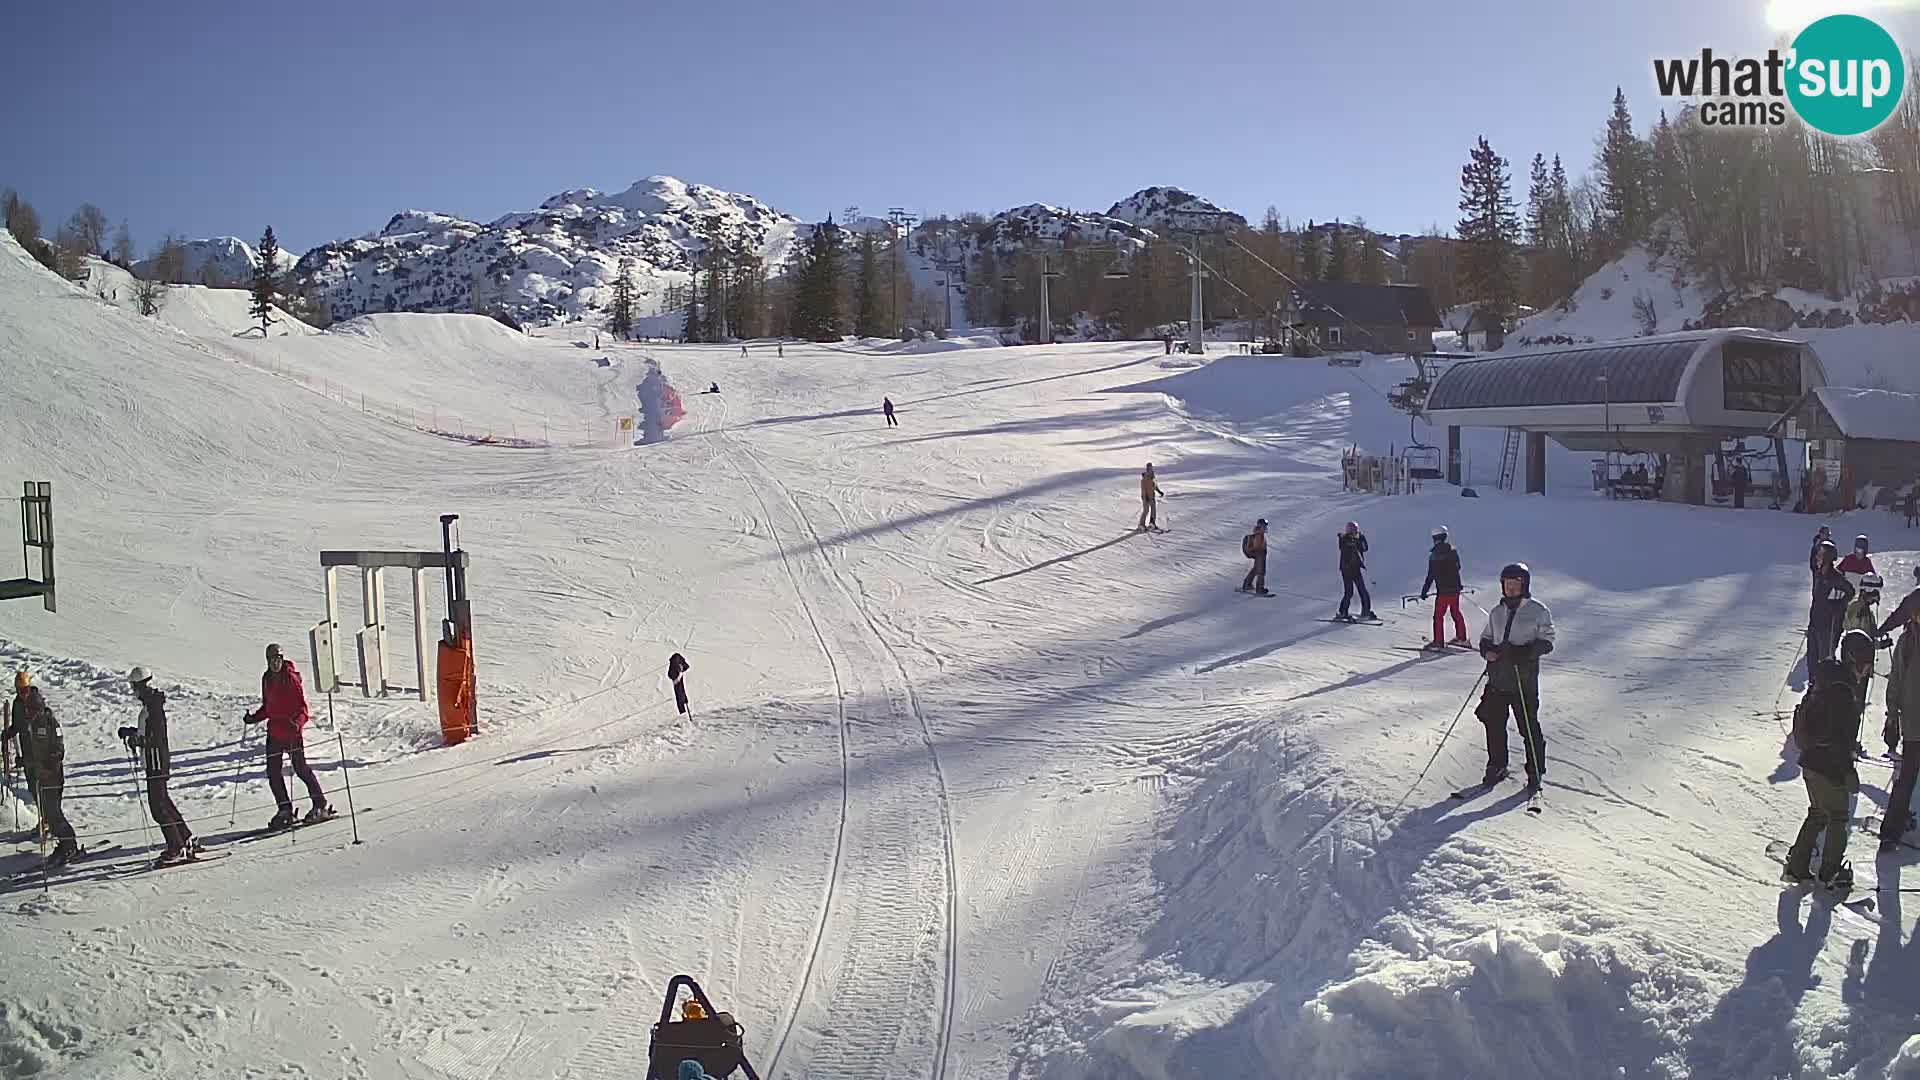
[1798, 879]
[63, 854]
[1343, 617]
[183, 853]
[281, 820]
[1841, 881]
[1494, 774]
[1368, 616]
[322, 812]
[1462, 642]
[1436, 645]
[1261, 592]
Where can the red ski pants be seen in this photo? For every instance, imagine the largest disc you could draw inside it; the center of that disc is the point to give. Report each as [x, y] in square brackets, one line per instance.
[1442, 604]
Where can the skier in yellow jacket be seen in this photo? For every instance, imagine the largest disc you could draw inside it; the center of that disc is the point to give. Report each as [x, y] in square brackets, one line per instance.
[1149, 488]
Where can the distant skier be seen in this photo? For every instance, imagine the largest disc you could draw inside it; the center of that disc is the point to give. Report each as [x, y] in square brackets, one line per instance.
[1519, 632]
[283, 705]
[1913, 505]
[713, 389]
[886, 406]
[43, 761]
[1740, 480]
[1149, 489]
[1826, 727]
[1831, 591]
[676, 672]
[1167, 340]
[1443, 578]
[1254, 546]
[780, 351]
[743, 352]
[1903, 726]
[1353, 577]
[149, 738]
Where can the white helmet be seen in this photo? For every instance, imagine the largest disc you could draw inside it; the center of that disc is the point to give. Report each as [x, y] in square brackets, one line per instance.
[139, 675]
[1439, 532]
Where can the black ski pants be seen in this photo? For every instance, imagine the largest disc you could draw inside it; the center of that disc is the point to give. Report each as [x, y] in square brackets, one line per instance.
[1900, 800]
[166, 815]
[1257, 577]
[46, 798]
[1496, 703]
[1352, 581]
[296, 752]
[1823, 630]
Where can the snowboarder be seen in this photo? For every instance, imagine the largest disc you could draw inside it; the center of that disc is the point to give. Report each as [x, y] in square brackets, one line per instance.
[886, 406]
[43, 761]
[1443, 578]
[1149, 488]
[283, 705]
[1831, 591]
[1254, 546]
[1519, 632]
[1903, 727]
[1858, 562]
[1353, 565]
[149, 737]
[676, 673]
[1826, 727]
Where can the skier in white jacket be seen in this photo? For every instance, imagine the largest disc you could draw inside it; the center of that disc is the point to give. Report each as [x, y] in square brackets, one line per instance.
[1519, 632]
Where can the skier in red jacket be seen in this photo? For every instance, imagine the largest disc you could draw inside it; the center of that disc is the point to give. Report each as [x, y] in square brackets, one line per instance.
[283, 705]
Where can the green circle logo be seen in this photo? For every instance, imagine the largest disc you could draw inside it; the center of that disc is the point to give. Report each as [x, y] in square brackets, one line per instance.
[1847, 75]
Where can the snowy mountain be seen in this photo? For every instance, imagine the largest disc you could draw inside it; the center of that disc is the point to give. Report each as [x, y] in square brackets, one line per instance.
[221, 261]
[1165, 207]
[555, 262]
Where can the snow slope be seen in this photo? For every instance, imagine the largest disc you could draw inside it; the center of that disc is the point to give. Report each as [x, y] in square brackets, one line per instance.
[978, 781]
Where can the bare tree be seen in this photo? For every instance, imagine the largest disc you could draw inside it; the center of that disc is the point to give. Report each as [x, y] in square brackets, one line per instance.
[123, 246]
[90, 223]
[150, 296]
[69, 253]
[170, 260]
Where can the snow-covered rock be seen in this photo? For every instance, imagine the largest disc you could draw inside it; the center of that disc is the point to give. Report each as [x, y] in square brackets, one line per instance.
[219, 261]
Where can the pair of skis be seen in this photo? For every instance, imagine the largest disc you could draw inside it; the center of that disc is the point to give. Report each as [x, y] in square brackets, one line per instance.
[1534, 805]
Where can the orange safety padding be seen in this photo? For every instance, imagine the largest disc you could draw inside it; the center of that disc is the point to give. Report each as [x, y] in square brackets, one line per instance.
[456, 691]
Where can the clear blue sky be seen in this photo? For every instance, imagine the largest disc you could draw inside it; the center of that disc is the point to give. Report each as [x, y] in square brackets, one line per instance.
[216, 118]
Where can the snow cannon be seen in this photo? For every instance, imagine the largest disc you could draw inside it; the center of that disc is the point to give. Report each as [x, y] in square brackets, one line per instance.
[703, 1034]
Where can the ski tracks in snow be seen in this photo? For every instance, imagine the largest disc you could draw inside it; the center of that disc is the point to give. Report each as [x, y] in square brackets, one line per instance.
[875, 996]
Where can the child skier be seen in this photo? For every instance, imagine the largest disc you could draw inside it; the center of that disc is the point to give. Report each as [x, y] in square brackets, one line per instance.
[1149, 489]
[1443, 576]
[1254, 546]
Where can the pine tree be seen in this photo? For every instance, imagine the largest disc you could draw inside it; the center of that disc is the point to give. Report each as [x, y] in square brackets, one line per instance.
[692, 330]
[866, 321]
[1339, 254]
[266, 281]
[1310, 254]
[1373, 259]
[1489, 232]
[620, 317]
[1624, 168]
[817, 313]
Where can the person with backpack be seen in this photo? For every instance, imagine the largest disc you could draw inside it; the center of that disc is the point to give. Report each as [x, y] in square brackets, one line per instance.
[1826, 727]
[43, 760]
[149, 738]
[1831, 591]
[1519, 632]
[1149, 489]
[283, 705]
[1443, 578]
[1903, 726]
[1353, 566]
[1254, 546]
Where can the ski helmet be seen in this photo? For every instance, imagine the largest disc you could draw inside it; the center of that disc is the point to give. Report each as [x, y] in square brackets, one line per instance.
[1872, 583]
[139, 675]
[1828, 550]
[1856, 647]
[1261, 524]
[1353, 526]
[273, 652]
[1439, 532]
[1517, 571]
[1861, 544]
[22, 680]
[1823, 534]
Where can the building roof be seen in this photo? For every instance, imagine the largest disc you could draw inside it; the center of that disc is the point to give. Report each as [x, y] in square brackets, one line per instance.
[1334, 302]
[1645, 371]
[1872, 414]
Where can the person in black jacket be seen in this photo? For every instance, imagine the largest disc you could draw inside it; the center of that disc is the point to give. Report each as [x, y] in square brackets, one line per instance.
[677, 668]
[1831, 591]
[1826, 727]
[43, 760]
[149, 737]
[1353, 577]
[1443, 579]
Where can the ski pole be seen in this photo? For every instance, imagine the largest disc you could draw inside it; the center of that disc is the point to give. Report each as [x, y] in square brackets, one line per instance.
[6, 762]
[146, 831]
[1443, 742]
[239, 769]
[346, 774]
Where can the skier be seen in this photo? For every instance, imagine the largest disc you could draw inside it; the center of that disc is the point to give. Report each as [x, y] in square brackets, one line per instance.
[1903, 726]
[1826, 727]
[781, 350]
[1254, 546]
[1824, 536]
[1857, 562]
[1149, 487]
[1353, 565]
[713, 389]
[1913, 505]
[676, 671]
[1831, 591]
[1443, 576]
[743, 352]
[1519, 632]
[886, 406]
[283, 705]
[1740, 479]
[150, 736]
[43, 760]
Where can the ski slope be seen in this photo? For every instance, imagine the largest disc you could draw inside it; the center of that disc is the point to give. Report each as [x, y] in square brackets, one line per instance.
[978, 781]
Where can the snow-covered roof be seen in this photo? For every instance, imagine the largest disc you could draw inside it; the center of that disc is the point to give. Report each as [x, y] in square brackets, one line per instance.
[1872, 414]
